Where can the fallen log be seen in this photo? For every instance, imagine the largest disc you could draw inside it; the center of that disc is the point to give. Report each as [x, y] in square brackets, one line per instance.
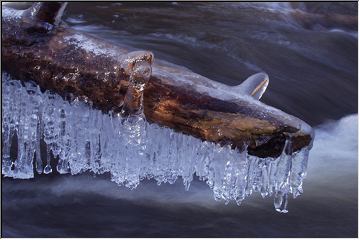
[37, 46]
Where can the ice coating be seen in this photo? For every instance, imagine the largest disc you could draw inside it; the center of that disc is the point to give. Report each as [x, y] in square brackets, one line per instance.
[255, 85]
[130, 149]
[118, 52]
[179, 75]
[89, 45]
[10, 13]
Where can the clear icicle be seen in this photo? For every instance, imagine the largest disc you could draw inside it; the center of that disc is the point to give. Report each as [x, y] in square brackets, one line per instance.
[131, 149]
[280, 202]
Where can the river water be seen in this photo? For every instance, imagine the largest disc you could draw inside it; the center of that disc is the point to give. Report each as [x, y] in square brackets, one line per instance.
[309, 50]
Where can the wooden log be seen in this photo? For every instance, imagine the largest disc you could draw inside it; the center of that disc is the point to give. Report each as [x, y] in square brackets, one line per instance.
[108, 76]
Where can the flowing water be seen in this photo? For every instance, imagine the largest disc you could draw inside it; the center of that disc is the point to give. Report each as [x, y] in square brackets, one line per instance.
[312, 63]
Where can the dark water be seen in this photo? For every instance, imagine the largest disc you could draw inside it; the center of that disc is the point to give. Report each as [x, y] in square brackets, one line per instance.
[312, 64]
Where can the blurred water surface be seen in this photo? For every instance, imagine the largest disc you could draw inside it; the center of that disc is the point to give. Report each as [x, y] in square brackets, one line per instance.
[309, 51]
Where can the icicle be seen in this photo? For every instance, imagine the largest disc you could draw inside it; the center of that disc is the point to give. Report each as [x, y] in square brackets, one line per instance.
[47, 168]
[265, 184]
[131, 149]
[280, 202]
[39, 133]
[298, 172]
[6, 129]
[62, 166]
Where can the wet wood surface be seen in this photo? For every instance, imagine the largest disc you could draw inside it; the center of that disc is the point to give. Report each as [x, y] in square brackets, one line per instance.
[56, 63]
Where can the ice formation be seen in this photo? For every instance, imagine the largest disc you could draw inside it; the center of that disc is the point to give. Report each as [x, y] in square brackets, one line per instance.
[81, 139]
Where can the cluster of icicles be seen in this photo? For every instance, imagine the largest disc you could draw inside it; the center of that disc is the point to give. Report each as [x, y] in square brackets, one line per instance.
[81, 139]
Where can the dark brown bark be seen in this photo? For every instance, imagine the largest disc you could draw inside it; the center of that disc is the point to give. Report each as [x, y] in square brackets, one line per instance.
[113, 82]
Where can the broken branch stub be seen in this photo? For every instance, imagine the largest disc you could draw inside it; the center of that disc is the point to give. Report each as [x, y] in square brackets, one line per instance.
[138, 67]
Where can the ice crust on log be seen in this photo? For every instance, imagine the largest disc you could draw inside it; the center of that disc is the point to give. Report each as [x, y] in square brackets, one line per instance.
[131, 149]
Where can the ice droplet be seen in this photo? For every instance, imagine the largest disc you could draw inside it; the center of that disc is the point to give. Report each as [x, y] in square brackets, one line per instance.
[39, 168]
[12, 166]
[47, 169]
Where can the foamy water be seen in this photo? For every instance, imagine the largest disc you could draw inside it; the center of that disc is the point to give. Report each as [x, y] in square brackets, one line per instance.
[330, 187]
[335, 150]
[333, 157]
